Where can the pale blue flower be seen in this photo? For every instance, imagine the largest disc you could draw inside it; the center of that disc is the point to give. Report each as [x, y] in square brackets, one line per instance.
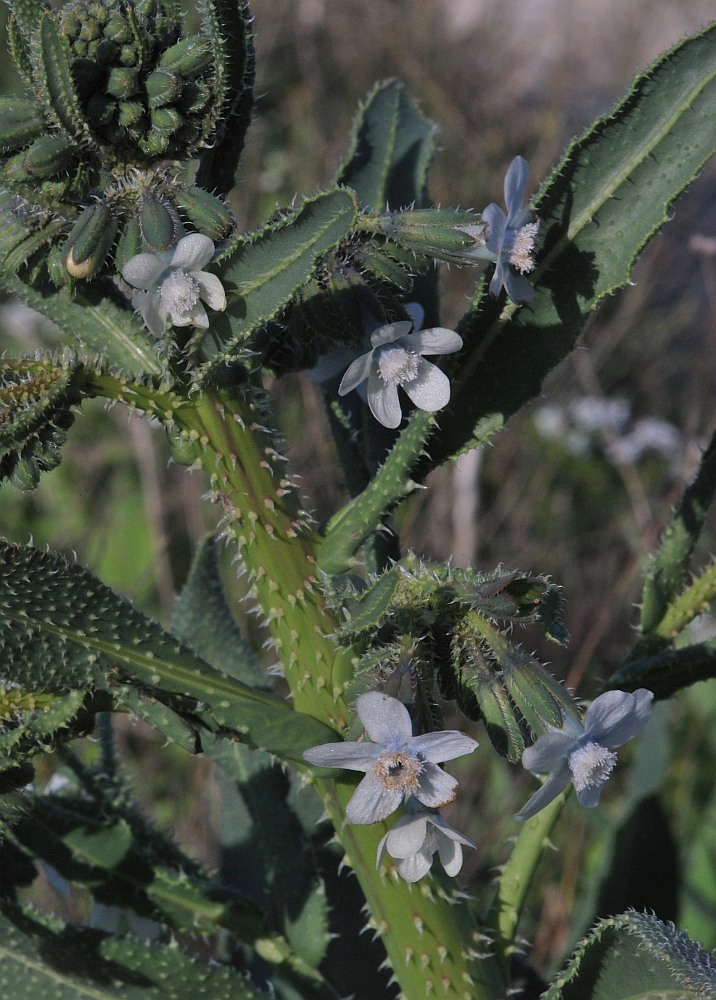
[511, 237]
[396, 359]
[396, 763]
[175, 287]
[584, 754]
[416, 837]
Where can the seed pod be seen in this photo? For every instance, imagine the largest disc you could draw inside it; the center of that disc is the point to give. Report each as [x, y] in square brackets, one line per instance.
[123, 81]
[20, 123]
[90, 241]
[159, 225]
[48, 156]
[188, 58]
[207, 213]
[162, 88]
[130, 244]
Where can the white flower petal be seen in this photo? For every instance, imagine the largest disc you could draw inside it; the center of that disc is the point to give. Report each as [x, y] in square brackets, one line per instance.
[436, 340]
[352, 756]
[450, 854]
[407, 835]
[435, 787]
[387, 334]
[154, 313]
[544, 795]
[383, 401]
[211, 290]
[196, 316]
[372, 801]
[412, 869]
[193, 252]
[617, 716]
[386, 720]
[443, 828]
[430, 390]
[143, 271]
[445, 745]
[358, 371]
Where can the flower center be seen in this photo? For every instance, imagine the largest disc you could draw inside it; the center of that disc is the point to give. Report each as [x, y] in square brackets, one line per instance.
[591, 765]
[179, 292]
[397, 769]
[523, 247]
[397, 366]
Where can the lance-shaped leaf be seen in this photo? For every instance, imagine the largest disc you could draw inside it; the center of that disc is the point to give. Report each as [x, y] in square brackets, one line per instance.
[609, 195]
[40, 956]
[37, 398]
[227, 22]
[390, 152]
[635, 957]
[266, 271]
[61, 627]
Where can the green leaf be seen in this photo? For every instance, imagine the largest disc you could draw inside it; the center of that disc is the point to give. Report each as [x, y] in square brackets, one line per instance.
[227, 22]
[390, 152]
[635, 957]
[43, 957]
[609, 195]
[266, 271]
[60, 627]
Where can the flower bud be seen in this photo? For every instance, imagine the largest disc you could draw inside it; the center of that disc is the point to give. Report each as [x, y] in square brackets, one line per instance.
[207, 213]
[447, 234]
[123, 81]
[90, 241]
[188, 58]
[129, 245]
[162, 88]
[48, 156]
[159, 225]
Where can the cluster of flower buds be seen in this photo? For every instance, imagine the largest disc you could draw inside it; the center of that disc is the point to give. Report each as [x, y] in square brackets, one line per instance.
[119, 99]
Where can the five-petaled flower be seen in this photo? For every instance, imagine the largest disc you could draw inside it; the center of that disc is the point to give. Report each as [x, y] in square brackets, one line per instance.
[584, 754]
[174, 288]
[396, 763]
[396, 359]
[510, 238]
[414, 839]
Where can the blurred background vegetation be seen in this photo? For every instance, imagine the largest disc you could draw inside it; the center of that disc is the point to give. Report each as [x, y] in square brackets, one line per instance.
[580, 484]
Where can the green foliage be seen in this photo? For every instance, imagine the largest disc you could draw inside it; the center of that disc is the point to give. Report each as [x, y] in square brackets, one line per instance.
[93, 639]
[69, 962]
[635, 956]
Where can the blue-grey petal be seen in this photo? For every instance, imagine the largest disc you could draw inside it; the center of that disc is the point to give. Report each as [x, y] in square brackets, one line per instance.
[193, 252]
[516, 179]
[412, 869]
[352, 756]
[549, 752]
[445, 745]
[435, 787]
[372, 801]
[407, 835]
[450, 854]
[617, 716]
[496, 224]
[387, 334]
[517, 287]
[386, 720]
[544, 795]
[154, 314]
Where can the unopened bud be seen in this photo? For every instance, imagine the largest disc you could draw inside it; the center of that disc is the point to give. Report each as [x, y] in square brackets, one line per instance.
[207, 213]
[90, 241]
[447, 234]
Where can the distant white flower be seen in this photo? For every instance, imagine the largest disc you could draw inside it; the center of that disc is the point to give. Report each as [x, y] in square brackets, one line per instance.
[415, 838]
[396, 763]
[396, 359]
[175, 288]
[511, 237]
[584, 754]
